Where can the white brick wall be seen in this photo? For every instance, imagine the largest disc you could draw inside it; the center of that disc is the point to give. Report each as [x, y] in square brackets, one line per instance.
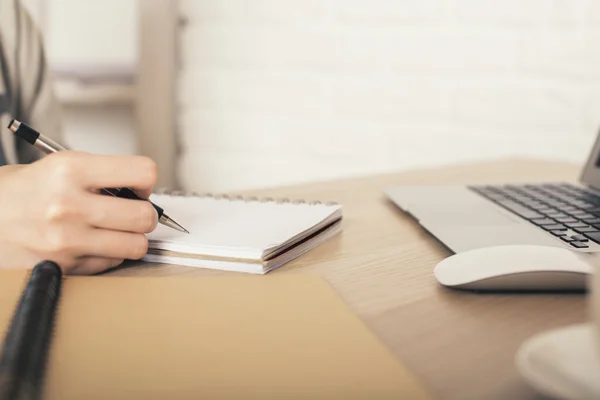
[274, 92]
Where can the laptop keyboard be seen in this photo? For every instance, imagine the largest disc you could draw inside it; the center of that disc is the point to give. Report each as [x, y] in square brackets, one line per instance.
[565, 211]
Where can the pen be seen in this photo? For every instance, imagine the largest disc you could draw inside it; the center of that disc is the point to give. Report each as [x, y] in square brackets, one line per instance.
[25, 351]
[48, 145]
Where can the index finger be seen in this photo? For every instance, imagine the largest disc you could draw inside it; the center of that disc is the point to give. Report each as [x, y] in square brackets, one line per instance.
[111, 171]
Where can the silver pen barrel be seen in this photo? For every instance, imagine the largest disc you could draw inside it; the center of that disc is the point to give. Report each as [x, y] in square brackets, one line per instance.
[48, 145]
[43, 143]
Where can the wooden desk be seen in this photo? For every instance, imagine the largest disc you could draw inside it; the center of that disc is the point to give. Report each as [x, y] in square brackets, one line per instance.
[460, 344]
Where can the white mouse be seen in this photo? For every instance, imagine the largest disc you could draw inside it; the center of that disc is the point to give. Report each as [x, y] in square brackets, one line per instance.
[515, 267]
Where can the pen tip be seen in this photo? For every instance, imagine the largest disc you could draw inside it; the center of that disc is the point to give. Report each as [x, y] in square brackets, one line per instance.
[181, 228]
[172, 224]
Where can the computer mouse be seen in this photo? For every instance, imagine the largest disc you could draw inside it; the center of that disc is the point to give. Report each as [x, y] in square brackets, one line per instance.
[516, 267]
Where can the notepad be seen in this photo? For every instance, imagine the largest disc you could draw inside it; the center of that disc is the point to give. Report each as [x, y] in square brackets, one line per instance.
[220, 337]
[240, 234]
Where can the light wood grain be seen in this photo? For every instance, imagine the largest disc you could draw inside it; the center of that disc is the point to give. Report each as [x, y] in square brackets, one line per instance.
[461, 344]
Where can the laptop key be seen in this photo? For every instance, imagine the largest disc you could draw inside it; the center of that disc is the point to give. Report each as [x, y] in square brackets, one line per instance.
[591, 221]
[555, 227]
[586, 229]
[576, 225]
[546, 210]
[544, 221]
[586, 216]
[566, 219]
[520, 209]
[579, 245]
[585, 205]
[541, 217]
[559, 233]
[537, 206]
[580, 238]
[595, 236]
[570, 209]
[567, 239]
[557, 204]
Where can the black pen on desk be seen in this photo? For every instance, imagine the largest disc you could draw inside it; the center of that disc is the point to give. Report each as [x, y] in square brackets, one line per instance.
[27, 343]
[48, 145]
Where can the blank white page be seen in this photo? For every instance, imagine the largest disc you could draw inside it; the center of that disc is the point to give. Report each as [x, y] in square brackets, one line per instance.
[235, 228]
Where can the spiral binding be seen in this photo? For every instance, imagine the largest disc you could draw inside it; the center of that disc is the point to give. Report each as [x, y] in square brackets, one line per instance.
[247, 199]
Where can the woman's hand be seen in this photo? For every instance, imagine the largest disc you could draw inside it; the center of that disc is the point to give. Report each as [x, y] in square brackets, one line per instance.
[53, 210]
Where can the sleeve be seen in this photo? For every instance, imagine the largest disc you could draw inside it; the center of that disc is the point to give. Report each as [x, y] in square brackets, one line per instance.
[37, 104]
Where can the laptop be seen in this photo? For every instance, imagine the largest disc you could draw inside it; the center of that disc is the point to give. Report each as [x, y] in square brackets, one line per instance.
[467, 217]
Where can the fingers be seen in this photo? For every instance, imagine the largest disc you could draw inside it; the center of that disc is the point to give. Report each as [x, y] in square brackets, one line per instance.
[82, 223]
[120, 171]
[126, 215]
[115, 244]
[94, 265]
[94, 171]
[143, 193]
[91, 249]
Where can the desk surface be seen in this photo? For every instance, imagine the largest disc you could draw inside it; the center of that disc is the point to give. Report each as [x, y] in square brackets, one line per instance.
[460, 344]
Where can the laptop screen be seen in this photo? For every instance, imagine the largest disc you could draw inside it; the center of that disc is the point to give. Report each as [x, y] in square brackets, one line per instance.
[591, 171]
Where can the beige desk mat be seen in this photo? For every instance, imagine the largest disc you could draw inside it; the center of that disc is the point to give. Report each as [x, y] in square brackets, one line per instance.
[221, 337]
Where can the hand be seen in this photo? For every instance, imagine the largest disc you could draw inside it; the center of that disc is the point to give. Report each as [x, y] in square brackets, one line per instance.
[52, 209]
